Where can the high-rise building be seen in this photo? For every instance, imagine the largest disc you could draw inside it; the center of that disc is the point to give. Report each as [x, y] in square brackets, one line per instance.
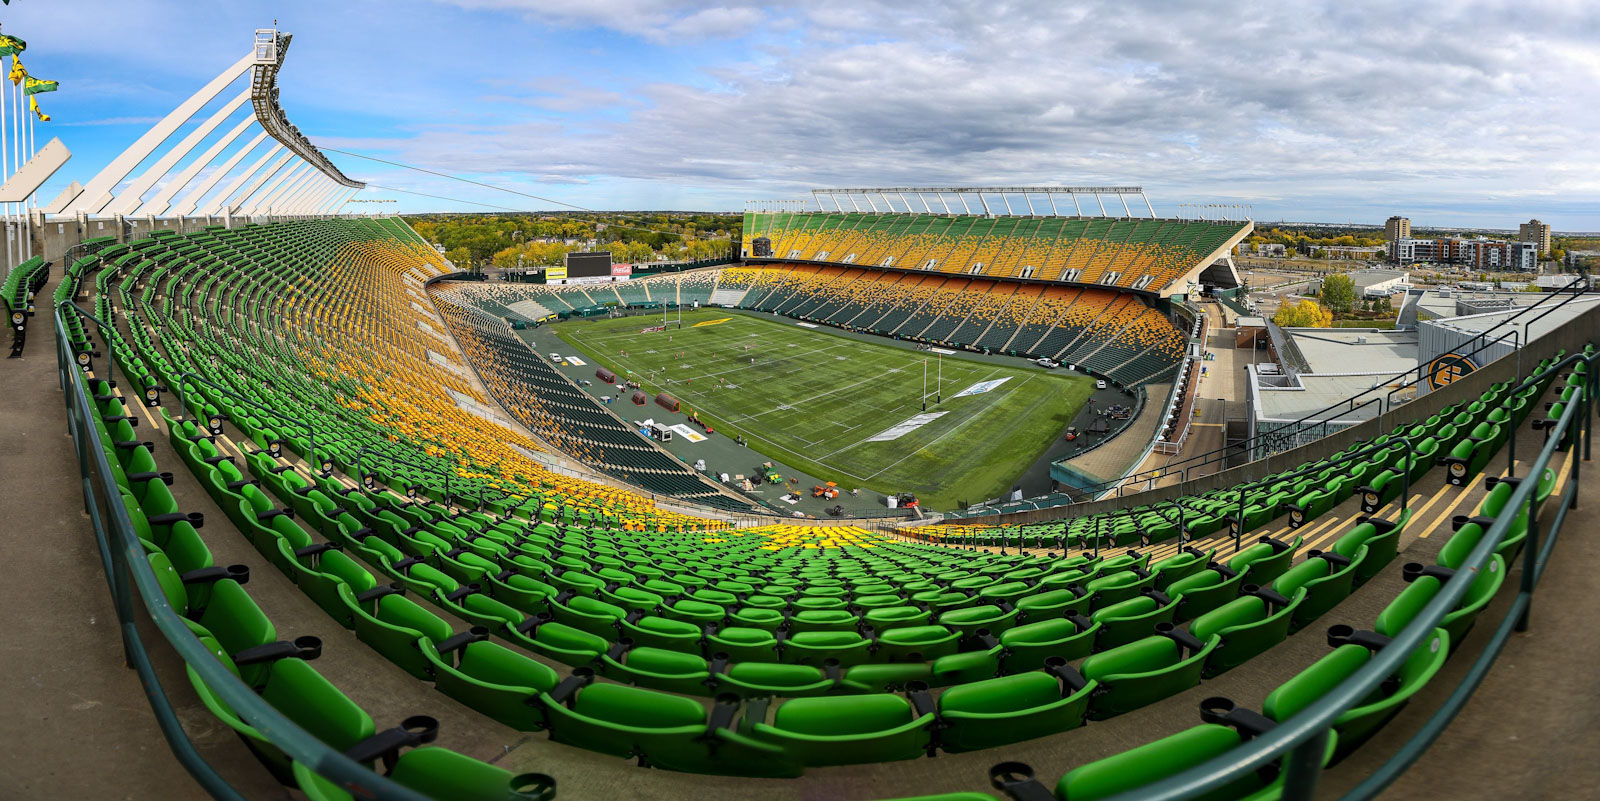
[1395, 229]
[1536, 232]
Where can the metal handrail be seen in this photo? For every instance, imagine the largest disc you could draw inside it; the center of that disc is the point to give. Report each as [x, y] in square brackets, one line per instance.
[123, 557]
[1302, 739]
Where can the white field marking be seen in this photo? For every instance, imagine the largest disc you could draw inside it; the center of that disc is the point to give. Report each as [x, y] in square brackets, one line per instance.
[957, 427]
[739, 368]
[954, 378]
[865, 441]
[905, 427]
[806, 401]
[695, 397]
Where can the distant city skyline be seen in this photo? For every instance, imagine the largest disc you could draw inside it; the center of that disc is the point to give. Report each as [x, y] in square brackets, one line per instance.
[1331, 112]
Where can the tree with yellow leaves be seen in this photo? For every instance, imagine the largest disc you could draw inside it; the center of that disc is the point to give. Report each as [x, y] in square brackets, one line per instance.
[1305, 314]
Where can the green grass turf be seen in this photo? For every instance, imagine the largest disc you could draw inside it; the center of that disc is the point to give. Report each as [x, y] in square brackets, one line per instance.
[812, 399]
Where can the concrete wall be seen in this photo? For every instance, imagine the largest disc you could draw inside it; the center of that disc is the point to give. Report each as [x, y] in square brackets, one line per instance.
[1572, 337]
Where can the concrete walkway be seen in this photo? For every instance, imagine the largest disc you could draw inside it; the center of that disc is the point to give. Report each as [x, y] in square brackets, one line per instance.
[80, 726]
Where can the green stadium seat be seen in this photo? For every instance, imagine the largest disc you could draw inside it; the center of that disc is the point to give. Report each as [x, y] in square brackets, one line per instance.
[1011, 709]
[1351, 651]
[1145, 671]
[849, 730]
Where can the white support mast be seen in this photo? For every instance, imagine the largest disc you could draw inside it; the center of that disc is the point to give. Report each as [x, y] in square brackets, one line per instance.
[132, 197]
[97, 195]
[227, 201]
[256, 204]
[163, 199]
[191, 200]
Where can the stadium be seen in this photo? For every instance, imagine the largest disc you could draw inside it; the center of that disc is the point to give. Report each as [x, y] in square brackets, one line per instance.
[860, 508]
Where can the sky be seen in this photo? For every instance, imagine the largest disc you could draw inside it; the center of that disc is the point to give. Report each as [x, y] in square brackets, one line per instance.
[1454, 113]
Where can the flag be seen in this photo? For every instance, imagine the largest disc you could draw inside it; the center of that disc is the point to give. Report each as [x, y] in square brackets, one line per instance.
[33, 103]
[11, 45]
[18, 72]
[34, 86]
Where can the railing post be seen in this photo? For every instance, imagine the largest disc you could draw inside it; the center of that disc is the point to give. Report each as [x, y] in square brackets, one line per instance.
[1303, 766]
[1530, 559]
[1405, 478]
[1578, 427]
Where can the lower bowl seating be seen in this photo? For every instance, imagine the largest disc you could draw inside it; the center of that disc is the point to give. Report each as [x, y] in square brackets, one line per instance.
[581, 610]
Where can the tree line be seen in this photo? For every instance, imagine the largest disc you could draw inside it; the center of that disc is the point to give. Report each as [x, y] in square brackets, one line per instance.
[508, 240]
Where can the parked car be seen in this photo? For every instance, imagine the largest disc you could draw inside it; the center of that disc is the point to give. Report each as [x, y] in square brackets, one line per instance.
[555, 357]
[1046, 363]
[1100, 384]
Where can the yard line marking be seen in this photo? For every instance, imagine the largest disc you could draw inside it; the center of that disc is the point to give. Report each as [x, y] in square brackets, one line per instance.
[975, 414]
[957, 427]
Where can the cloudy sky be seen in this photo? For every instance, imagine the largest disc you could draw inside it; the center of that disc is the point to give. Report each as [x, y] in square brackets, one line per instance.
[1455, 112]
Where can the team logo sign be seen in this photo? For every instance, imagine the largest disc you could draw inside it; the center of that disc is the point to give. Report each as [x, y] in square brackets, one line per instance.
[1449, 368]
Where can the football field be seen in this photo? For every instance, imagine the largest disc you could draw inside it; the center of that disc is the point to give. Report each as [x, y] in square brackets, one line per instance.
[842, 409]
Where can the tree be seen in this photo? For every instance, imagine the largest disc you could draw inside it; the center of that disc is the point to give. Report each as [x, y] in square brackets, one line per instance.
[1339, 293]
[1305, 314]
[460, 257]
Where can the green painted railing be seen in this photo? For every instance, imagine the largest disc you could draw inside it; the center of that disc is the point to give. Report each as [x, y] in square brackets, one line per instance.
[134, 588]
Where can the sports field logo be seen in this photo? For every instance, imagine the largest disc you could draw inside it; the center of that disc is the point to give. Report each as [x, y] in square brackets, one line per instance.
[1449, 368]
[981, 387]
[717, 321]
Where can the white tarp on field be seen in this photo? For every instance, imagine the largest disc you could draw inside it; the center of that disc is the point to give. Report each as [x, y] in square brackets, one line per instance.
[905, 427]
[980, 387]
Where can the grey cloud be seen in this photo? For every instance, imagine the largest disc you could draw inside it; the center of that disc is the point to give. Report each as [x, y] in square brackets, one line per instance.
[1351, 101]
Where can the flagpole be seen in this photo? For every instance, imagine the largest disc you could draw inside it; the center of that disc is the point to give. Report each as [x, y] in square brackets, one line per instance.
[5, 161]
[32, 196]
[16, 146]
[26, 247]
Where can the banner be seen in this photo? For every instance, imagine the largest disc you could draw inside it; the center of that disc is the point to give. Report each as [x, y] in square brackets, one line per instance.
[687, 433]
[622, 270]
[980, 387]
[555, 273]
[652, 329]
[718, 321]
